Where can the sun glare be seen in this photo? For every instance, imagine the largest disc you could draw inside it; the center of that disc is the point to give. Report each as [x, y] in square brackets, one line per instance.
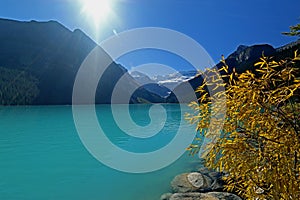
[97, 10]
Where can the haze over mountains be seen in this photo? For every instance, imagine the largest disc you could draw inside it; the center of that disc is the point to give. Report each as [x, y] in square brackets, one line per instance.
[39, 62]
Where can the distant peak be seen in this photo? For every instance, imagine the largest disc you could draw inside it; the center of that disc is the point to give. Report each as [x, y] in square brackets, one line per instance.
[241, 48]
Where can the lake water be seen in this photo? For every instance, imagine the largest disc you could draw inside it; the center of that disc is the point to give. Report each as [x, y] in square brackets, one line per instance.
[42, 156]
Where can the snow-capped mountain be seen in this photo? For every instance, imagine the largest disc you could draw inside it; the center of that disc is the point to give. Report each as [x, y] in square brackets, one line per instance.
[150, 84]
[160, 83]
[141, 78]
[181, 75]
[172, 80]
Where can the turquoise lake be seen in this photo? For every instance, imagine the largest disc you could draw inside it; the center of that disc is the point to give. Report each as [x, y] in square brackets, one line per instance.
[42, 156]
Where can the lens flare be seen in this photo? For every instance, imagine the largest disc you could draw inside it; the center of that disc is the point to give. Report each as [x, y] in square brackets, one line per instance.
[97, 11]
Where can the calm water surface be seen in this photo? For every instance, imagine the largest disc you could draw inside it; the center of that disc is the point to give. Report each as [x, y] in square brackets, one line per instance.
[42, 157]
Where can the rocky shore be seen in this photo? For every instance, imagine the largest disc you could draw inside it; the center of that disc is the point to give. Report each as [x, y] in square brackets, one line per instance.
[202, 184]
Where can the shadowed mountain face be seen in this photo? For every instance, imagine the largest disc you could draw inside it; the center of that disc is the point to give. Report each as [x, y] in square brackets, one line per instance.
[242, 59]
[51, 55]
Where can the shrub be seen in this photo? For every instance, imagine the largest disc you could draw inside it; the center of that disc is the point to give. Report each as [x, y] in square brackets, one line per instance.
[253, 126]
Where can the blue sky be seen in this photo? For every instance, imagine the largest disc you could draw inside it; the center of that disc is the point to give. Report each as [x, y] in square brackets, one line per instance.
[219, 26]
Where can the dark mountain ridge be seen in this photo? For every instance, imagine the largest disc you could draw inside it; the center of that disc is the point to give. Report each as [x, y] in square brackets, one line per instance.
[51, 54]
[242, 59]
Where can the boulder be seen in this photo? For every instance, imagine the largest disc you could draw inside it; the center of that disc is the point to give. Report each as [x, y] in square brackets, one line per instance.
[191, 182]
[217, 182]
[186, 196]
[217, 186]
[204, 184]
[213, 179]
[196, 179]
[166, 196]
[181, 184]
[208, 181]
[205, 196]
[221, 196]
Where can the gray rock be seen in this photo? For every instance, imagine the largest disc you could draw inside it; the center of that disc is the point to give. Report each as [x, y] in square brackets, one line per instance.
[208, 181]
[191, 182]
[186, 196]
[181, 184]
[215, 175]
[217, 186]
[205, 196]
[166, 196]
[217, 182]
[221, 196]
[194, 182]
[196, 179]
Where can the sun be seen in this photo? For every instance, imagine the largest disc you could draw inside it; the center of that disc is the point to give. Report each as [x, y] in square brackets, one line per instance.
[97, 10]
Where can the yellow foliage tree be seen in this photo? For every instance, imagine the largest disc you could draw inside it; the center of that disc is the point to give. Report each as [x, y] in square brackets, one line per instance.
[294, 31]
[253, 126]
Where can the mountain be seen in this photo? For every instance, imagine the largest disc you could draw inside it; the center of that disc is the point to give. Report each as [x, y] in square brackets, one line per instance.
[174, 79]
[150, 84]
[141, 78]
[39, 62]
[242, 59]
[163, 84]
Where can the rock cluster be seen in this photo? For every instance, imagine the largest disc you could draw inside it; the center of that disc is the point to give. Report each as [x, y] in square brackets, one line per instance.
[201, 185]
